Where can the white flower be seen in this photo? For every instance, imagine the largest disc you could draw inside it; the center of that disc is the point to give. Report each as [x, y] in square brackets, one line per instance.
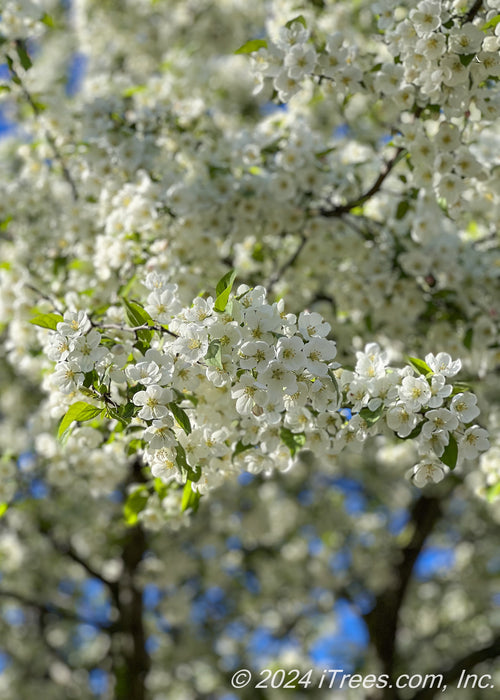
[426, 472]
[318, 352]
[300, 60]
[371, 362]
[466, 39]
[193, 343]
[426, 17]
[58, 347]
[439, 419]
[278, 379]
[87, 351]
[414, 392]
[164, 465]
[247, 393]
[255, 354]
[401, 420]
[68, 377]
[75, 323]
[286, 86]
[289, 352]
[159, 433]
[474, 440]
[153, 402]
[163, 303]
[463, 405]
[144, 372]
[435, 441]
[439, 390]
[312, 325]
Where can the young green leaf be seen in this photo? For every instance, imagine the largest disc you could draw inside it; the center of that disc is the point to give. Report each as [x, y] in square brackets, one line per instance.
[299, 18]
[214, 354]
[371, 417]
[292, 440]
[241, 447]
[135, 503]
[251, 46]
[137, 316]
[450, 454]
[3, 509]
[421, 366]
[47, 321]
[181, 417]
[190, 498]
[79, 411]
[223, 290]
[491, 24]
[23, 55]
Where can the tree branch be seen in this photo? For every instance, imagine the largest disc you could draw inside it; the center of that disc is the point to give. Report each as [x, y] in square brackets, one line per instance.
[345, 208]
[465, 663]
[46, 608]
[289, 263]
[50, 138]
[471, 14]
[383, 619]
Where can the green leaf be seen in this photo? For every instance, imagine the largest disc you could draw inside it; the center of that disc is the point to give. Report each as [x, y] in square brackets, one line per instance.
[371, 417]
[491, 24]
[128, 92]
[48, 20]
[468, 338]
[402, 209]
[492, 494]
[22, 52]
[190, 498]
[214, 354]
[421, 366]
[466, 59]
[135, 445]
[135, 503]
[299, 18]
[322, 154]
[160, 488]
[3, 509]
[137, 316]
[415, 432]
[241, 447]
[450, 454]
[292, 440]
[223, 290]
[335, 384]
[459, 388]
[181, 417]
[79, 411]
[47, 321]
[186, 470]
[251, 46]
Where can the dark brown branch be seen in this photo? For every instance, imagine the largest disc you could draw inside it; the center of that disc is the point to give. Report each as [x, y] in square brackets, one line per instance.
[131, 662]
[471, 14]
[345, 208]
[465, 663]
[383, 619]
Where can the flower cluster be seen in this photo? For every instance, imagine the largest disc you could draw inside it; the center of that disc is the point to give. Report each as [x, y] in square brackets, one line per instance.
[237, 383]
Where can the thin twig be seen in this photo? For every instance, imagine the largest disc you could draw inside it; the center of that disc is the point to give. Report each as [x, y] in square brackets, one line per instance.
[289, 263]
[359, 201]
[50, 138]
